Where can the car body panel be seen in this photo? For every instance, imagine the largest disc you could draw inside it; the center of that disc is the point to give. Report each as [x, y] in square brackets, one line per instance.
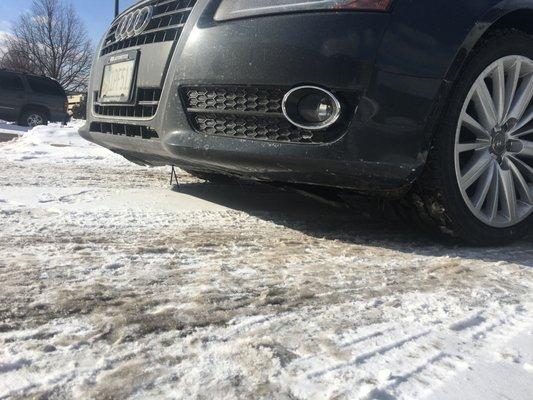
[12, 98]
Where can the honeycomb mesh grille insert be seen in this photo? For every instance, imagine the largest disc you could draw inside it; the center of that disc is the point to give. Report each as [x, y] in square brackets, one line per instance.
[138, 131]
[258, 100]
[252, 127]
[246, 112]
[146, 103]
[166, 24]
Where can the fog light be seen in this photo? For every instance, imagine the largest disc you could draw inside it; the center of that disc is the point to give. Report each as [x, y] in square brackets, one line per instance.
[311, 107]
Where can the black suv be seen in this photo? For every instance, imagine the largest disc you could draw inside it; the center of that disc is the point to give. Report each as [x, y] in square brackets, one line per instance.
[425, 101]
[31, 100]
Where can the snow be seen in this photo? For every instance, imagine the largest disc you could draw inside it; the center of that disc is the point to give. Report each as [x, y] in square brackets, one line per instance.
[55, 143]
[115, 286]
[8, 127]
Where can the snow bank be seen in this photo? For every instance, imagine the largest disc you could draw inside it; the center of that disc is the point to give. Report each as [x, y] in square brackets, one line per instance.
[9, 127]
[55, 134]
[56, 143]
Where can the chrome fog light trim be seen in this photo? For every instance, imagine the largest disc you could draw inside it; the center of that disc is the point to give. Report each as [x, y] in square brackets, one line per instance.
[311, 107]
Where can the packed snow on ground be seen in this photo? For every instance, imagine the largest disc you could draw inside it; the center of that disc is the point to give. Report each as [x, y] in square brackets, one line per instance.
[11, 128]
[115, 286]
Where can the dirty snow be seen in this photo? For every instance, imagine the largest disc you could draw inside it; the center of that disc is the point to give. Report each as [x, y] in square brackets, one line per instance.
[115, 286]
[10, 128]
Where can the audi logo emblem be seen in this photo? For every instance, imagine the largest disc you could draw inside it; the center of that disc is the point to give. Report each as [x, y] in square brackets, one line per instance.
[134, 23]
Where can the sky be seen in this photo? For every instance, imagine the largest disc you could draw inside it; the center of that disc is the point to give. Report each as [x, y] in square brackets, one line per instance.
[96, 14]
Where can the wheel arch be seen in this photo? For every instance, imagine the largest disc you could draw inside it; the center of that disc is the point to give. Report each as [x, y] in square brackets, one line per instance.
[516, 14]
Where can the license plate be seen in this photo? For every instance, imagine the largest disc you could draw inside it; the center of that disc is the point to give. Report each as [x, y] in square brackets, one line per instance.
[117, 82]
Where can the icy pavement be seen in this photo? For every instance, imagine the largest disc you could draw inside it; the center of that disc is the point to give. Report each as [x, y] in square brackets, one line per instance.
[114, 286]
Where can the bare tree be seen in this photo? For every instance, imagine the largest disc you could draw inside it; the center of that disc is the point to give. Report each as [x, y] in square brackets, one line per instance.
[50, 40]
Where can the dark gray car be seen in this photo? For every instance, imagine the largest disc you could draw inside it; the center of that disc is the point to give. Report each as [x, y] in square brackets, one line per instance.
[31, 100]
[428, 103]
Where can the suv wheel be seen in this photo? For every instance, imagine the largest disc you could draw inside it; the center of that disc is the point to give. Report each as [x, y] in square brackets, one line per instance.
[33, 118]
[478, 184]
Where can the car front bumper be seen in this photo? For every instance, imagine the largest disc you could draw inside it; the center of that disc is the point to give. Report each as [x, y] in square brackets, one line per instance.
[382, 144]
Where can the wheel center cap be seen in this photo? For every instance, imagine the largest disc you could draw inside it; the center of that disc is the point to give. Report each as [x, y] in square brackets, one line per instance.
[499, 143]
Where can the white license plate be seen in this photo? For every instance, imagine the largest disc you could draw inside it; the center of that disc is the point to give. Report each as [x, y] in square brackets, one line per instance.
[117, 82]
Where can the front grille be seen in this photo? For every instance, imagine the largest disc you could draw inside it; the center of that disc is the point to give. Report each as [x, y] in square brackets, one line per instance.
[143, 132]
[145, 106]
[246, 112]
[167, 22]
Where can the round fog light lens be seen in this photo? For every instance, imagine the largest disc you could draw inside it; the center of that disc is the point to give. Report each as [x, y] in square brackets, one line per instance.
[315, 109]
[310, 107]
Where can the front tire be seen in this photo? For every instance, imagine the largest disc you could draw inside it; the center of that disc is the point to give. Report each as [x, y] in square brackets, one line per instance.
[478, 183]
[33, 118]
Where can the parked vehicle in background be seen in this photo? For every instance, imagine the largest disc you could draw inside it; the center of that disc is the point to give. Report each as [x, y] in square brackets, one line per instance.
[424, 101]
[31, 100]
[77, 105]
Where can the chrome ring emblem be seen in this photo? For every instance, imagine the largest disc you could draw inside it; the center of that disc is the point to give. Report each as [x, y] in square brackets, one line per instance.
[134, 23]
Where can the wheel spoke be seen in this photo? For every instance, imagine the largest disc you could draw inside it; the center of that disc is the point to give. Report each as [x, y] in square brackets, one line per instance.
[498, 79]
[522, 99]
[477, 165]
[526, 192]
[523, 126]
[511, 85]
[519, 134]
[483, 188]
[484, 105]
[493, 196]
[475, 127]
[527, 150]
[463, 147]
[525, 168]
[507, 194]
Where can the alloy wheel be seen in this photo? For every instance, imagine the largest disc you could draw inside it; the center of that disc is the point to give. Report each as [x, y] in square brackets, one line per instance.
[34, 120]
[494, 144]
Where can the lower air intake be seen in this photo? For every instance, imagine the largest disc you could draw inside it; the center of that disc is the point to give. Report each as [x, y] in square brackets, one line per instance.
[137, 131]
[247, 112]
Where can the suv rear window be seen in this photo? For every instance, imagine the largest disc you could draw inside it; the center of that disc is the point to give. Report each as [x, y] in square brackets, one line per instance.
[45, 86]
[10, 82]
